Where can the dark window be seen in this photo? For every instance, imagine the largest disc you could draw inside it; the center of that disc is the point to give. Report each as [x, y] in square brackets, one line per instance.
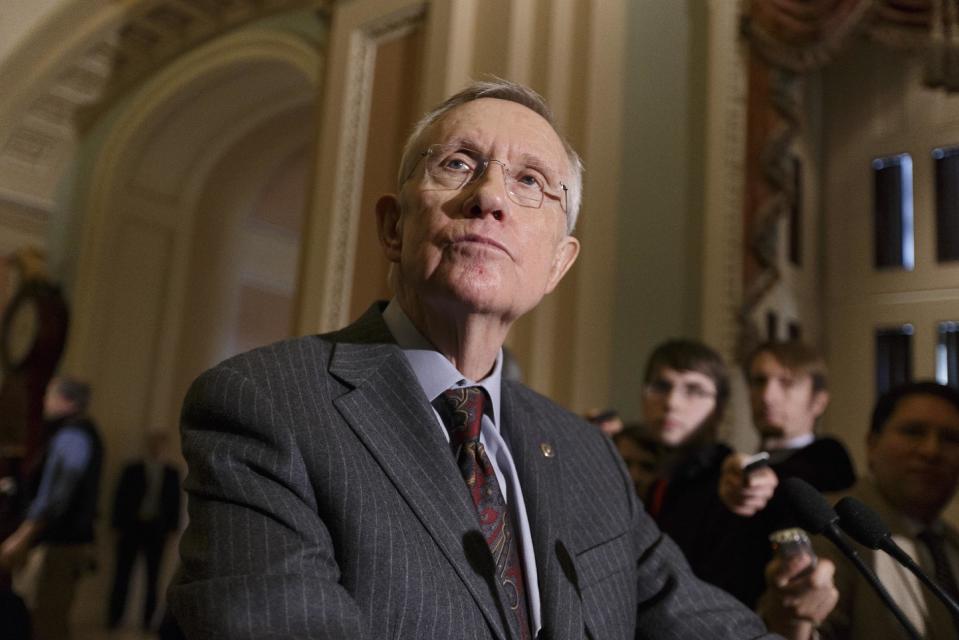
[893, 356]
[795, 215]
[795, 330]
[893, 212]
[772, 325]
[947, 354]
[947, 203]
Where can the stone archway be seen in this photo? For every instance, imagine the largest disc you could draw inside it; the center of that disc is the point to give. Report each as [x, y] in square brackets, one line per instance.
[173, 194]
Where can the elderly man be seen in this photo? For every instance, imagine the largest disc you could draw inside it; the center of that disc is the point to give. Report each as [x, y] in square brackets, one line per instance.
[384, 481]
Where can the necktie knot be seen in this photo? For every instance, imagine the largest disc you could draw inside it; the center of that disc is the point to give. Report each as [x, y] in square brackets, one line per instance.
[466, 414]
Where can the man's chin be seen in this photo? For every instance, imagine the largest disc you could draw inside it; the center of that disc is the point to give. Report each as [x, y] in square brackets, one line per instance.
[771, 431]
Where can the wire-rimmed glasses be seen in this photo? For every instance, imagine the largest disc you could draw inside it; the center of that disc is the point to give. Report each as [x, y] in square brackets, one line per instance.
[451, 167]
[661, 388]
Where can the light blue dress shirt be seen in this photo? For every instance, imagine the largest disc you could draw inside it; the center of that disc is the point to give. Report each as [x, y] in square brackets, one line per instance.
[70, 452]
[436, 374]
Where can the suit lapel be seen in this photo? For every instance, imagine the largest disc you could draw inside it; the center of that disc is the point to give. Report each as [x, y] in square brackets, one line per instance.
[389, 412]
[544, 493]
[930, 616]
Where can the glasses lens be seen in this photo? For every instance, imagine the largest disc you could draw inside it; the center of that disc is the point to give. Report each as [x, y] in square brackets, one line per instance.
[452, 167]
[525, 194]
[659, 388]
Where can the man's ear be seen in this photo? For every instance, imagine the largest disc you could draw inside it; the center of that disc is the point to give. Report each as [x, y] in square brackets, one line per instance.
[563, 259]
[389, 226]
[820, 400]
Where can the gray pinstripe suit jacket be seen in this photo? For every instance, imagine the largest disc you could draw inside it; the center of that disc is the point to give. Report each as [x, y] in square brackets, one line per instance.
[324, 503]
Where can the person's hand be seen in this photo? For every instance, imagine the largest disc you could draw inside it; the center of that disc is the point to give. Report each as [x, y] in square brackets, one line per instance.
[607, 420]
[799, 595]
[745, 494]
[13, 551]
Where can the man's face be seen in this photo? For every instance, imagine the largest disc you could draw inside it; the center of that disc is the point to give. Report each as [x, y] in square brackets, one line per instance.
[55, 406]
[784, 404]
[641, 462]
[676, 403]
[915, 458]
[474, 249]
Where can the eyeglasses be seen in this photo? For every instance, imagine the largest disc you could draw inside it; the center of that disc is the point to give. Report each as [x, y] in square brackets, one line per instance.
[661, 388]
[451, 167]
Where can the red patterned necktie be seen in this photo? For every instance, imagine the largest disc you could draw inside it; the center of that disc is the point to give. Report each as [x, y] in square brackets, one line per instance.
[495, 521]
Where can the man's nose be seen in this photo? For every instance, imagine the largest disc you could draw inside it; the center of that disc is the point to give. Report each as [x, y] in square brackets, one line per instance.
[931, 444]
[675, 396]
[487, 195]
[770, 391]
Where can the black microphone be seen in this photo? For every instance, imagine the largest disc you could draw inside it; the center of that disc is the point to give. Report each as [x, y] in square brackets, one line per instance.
[816, 516]
[866, 527]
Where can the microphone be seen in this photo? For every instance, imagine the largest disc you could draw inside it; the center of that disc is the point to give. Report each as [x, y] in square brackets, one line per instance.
[816, 516]
[866, 527]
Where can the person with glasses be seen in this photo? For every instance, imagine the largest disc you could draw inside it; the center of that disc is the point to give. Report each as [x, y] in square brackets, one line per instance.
[912, 449]
[685, 391]
[727, 521]
[684, 395]
[641, 453]
[386, 481]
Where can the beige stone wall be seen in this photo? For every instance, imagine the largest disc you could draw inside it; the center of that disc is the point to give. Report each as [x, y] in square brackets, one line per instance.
[594, 61]
[572, 52]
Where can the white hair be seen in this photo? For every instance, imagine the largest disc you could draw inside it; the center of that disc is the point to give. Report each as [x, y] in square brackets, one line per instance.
[501, 90]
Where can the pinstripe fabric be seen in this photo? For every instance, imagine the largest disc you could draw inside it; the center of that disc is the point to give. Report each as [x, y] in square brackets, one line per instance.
[324, 504]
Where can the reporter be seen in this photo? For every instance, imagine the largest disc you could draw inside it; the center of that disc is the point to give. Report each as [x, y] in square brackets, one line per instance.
[799, 596]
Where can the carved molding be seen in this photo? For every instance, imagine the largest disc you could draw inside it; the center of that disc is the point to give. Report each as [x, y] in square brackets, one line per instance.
[357, 95]
[110, 183]
[65, 84]
[726, 176]
[18, 216]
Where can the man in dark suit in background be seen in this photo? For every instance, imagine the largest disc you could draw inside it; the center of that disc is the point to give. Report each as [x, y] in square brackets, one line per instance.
[913, 453]
[788, 392]
[146, 510]
[385, 481]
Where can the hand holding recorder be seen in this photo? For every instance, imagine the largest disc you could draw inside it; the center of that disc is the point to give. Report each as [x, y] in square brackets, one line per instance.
[746, 483]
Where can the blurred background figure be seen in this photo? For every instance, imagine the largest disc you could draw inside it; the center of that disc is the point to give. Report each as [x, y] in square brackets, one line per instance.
[723, 523]
[59, 526]
[33, 330]
[913, 454]
[606, 420]
[641, 453]
[685, 391]
[146, 511]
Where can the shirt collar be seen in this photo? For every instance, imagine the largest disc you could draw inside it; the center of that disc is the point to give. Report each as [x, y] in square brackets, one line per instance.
[797, 443]
[433, 371]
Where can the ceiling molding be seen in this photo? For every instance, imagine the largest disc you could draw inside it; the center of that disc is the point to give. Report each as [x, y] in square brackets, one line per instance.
[79, 63]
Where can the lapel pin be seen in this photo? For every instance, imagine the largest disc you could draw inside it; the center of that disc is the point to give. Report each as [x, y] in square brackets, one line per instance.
[547, 449]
